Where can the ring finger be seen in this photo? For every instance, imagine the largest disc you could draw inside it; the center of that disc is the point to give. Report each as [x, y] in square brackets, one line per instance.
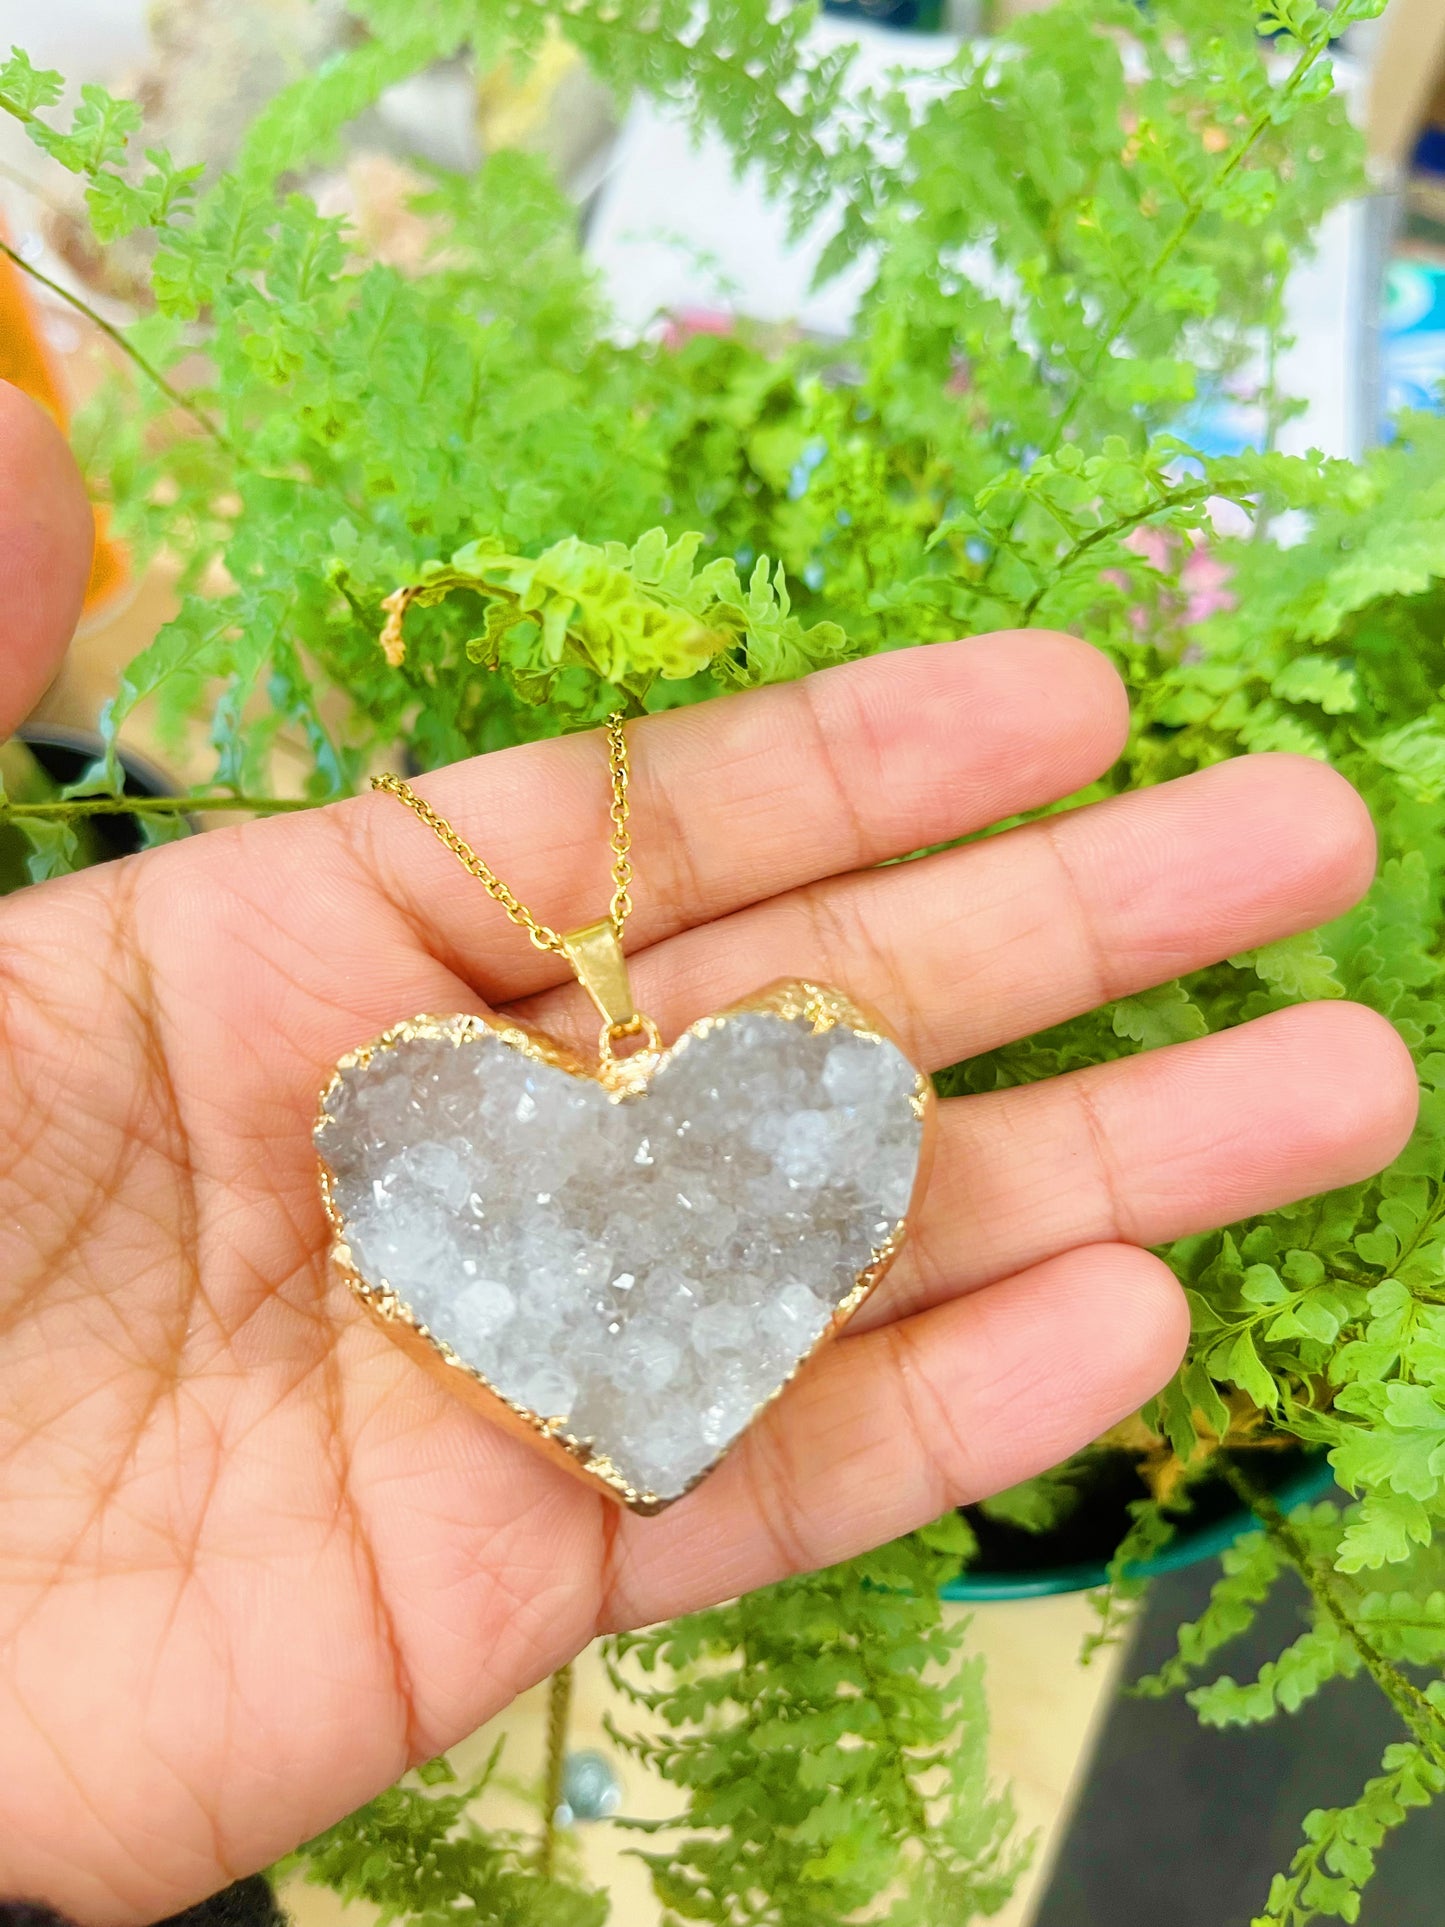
[1153, 1148]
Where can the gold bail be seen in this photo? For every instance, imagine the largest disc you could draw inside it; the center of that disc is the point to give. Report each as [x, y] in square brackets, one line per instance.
[595, 953]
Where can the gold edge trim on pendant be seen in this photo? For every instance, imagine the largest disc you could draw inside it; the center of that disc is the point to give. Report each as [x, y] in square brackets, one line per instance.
[823, 1007]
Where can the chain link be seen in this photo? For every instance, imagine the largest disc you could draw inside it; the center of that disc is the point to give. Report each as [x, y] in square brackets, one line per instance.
[541, 934]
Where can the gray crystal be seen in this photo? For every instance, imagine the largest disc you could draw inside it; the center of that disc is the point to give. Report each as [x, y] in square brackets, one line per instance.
[645, 1272]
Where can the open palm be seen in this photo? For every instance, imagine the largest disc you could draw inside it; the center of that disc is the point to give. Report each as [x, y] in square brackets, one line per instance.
[254, 1562]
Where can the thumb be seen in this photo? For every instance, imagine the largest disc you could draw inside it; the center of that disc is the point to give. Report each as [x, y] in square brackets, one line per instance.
[47, 533]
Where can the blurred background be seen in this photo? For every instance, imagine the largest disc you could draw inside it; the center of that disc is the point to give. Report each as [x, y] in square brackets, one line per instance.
[678, 240]
[680, 243]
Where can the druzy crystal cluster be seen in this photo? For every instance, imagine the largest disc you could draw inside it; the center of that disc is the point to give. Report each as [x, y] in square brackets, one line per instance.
[644, 1271]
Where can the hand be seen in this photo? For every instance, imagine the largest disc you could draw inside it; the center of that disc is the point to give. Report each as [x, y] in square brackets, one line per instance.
[253, 1561]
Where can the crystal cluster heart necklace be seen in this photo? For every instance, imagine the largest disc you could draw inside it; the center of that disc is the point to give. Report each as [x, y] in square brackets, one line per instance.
[627, 1260]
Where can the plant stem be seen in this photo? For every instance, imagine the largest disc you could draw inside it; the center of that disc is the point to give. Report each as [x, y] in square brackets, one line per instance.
[112, 333]
[559, 1708]
[81, 806]
[1181, 498]
[17, 112]
[1424, 1722]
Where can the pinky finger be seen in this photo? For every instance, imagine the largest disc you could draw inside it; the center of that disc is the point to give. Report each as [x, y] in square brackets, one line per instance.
[890, 1429]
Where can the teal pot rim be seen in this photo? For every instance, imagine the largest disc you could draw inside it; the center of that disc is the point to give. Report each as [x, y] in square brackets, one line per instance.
[1312, 1481]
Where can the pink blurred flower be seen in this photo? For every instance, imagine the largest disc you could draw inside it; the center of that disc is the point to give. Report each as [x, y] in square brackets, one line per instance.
[1203, 577]
[1206, 580]
[683, 324]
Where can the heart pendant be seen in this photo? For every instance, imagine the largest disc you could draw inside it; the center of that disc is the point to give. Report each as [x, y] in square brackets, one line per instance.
[628, 1268]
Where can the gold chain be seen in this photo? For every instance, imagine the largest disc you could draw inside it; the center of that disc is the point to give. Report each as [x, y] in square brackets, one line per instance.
[621, 771]
[541, 934]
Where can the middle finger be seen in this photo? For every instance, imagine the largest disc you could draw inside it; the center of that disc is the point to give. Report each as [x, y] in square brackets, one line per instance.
[978, 946]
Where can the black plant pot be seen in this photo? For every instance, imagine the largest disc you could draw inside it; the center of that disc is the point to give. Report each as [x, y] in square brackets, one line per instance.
[64, 755]
[1014, 1564]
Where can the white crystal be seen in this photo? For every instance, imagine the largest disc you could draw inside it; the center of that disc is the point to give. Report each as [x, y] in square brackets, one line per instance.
[480, 1311]
[804, 1148]
[721, 1327]
[439, 1167]
[645, 1357]
[548, 1390]
[667, 1449]
[647, 1272]
[731, 1402]
[795, 1316]
[850, 1074]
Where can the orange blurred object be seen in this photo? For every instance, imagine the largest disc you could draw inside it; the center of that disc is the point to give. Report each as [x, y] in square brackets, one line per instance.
[27, 361]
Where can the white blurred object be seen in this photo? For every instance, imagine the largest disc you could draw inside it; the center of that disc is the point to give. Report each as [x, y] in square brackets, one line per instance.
[1334, 308]
[674, 230]
[85, 39]
[433, 117]
[1334, 303]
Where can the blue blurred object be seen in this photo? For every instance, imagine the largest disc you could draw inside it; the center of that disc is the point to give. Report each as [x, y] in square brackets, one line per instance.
[1413, 339]
[1429, 156]
[1219, 423]
[913, 16]
[591, 1789]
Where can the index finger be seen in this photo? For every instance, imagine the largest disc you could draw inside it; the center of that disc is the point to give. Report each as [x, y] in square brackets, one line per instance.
[750, 795]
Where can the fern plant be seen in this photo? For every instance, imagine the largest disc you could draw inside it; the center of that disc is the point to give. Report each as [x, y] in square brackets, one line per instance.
[840, 1769]
[453, 509]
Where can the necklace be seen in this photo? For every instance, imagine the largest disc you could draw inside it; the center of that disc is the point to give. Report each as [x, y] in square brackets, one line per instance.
[627, 1260]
